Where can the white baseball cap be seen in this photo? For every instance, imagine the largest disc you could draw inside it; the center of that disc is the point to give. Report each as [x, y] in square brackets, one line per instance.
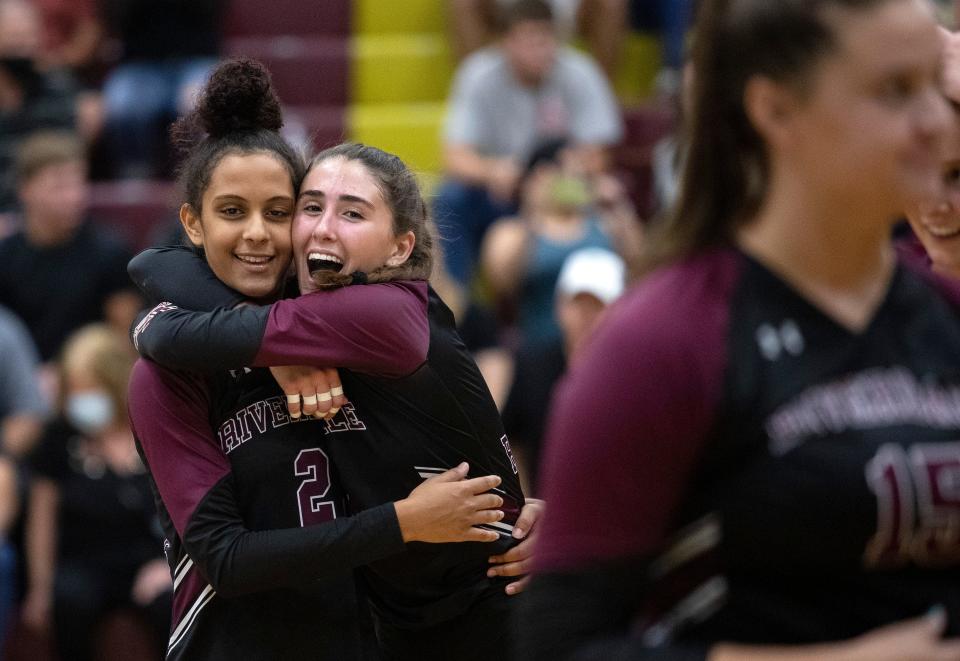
[595, 271]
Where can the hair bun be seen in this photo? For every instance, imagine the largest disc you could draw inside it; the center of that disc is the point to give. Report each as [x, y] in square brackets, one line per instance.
[238, 97]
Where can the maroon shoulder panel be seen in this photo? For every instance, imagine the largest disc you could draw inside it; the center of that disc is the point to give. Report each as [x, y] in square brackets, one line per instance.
[169, 416]
[379, 329]
[628, 422]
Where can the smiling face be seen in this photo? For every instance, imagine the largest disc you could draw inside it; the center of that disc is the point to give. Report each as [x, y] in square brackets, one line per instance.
[936, 221]
[869, 131]
[244, 224]
[343, 223]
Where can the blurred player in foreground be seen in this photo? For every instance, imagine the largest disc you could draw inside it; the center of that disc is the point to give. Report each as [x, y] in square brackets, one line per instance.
[752, 459]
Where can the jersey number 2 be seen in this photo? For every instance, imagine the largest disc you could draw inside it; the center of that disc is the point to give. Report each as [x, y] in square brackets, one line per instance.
[315, 467]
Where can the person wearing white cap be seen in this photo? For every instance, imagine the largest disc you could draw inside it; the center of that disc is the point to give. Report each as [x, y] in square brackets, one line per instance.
[590, 280]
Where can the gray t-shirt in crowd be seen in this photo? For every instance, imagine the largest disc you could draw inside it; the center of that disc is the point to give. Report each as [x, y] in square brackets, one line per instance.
[490, 111]
[19, 392]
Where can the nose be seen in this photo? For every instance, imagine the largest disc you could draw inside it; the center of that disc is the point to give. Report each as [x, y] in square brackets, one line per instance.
[324, 226]
[255, 229]
[936, 120]
[952, 202]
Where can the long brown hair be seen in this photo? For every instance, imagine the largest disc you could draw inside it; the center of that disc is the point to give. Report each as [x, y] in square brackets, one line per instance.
[725, 171]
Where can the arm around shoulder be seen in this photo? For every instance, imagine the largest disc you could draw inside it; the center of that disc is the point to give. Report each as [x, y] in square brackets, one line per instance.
[377, 329]
[193, 476]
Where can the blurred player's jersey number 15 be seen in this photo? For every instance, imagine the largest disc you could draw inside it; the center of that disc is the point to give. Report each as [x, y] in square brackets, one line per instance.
[918, 505]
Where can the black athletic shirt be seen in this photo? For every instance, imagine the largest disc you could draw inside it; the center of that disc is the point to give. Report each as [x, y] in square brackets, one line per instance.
[419, 407]
[257, 541]
[105, 518]
[727, 463]
[57, 289]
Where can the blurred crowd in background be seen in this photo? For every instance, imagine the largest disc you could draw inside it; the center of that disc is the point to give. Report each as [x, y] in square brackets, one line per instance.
[546, 172]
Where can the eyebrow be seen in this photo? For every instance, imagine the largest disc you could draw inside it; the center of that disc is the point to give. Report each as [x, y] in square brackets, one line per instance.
[345, 198]
[231, 196]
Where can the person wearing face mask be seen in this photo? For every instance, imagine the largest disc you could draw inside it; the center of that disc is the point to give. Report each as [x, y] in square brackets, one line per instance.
[93, 541]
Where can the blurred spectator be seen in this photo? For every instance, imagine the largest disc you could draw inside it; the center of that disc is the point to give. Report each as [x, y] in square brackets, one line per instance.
[601, 23]
[167, 49]
[670, 19]
[93, 543]
[522, 256]
[22, 406]
[9, 507]
[72, 36]
[667, 156]
[22, 412]
[60, 271]
[590, 280]
[30, 99]
[73, 41]
[479, 329]
[506, 100]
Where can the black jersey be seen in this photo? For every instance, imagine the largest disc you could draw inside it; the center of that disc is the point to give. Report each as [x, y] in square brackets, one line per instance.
[419, 406]
[751, 470]
[52, 306]
[257, 541]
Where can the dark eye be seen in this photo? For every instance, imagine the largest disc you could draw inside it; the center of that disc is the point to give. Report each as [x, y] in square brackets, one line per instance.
[953, 176]
[312, 207]
[898, 89]
[279, 214]
[231, 211]
[353, 214]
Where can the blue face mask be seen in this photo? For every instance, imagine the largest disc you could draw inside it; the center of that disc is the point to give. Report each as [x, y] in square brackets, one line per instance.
[90, 412]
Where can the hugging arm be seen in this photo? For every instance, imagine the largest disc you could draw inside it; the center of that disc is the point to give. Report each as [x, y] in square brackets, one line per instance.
[168, 411]
[379, 329]
[180, 275]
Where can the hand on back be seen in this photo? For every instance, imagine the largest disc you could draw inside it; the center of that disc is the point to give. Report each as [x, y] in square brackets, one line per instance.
[448, 508]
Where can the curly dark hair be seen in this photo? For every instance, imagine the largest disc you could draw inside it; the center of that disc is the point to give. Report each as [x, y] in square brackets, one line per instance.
[237, 112]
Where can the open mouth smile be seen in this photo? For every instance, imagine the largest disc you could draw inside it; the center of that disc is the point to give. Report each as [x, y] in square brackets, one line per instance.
[317, 261]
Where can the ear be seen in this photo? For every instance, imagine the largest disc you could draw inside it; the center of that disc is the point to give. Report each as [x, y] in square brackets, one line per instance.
[402, 247]
[190, 220]
[771, 107]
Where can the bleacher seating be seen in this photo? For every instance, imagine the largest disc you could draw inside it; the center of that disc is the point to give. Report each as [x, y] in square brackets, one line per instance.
[643, 127]
[376, 72]
[305, 70]
[288, 17]
[140, 211]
